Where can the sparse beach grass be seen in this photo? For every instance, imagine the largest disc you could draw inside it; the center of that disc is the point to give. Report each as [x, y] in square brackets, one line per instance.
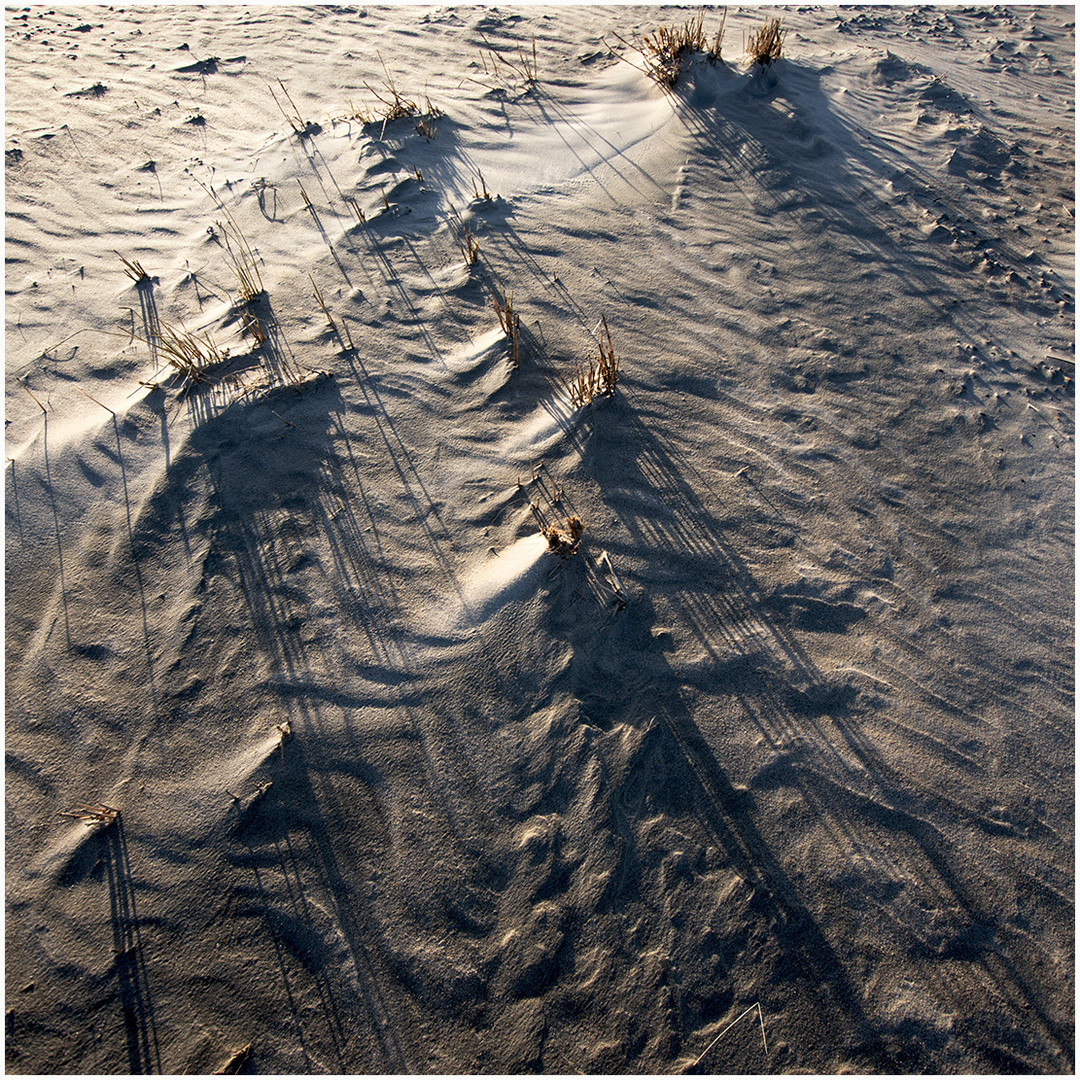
[302, 128]
[667, 49]
[191, 354]
[522, 66]
[134, 270]
[598, 376]
[509, 321]
[766, 44]
[241, 259]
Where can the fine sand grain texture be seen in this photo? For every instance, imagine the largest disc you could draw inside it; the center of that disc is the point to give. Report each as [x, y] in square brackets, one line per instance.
[722, 724]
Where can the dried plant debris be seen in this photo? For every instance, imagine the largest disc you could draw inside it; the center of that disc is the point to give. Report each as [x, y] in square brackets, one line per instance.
[563, 539]
[95, 814]
[766, 43]
[598, 376]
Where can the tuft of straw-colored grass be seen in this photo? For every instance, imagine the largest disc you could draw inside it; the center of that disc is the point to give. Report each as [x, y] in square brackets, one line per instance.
[668, 48]
[394, 106]
[322, 304]
[509, 320]
[470, 246]
[300, 126]
[188, 353]
[766, 43]
[599, 376]
[251, 325]
[241, 259]
[467, 241]
[354, 206]
[523, 68]
[134, 269]
[342, 332]
[483, 193]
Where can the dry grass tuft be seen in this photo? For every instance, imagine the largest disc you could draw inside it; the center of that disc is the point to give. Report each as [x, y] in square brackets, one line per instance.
[563, 539]
[342, 332]
[393, 106]
[509, 320]
[300, 126]
[322, 304]
[250, 325]
[354, 206]
[189, 354]
[241, 259]
[426, 125]
[522, 68]
[667, 49]
[98, 814]
[467, 241]
[766, 43]
[470, 246]
[598, 377]
[483, 193]
[134, 269]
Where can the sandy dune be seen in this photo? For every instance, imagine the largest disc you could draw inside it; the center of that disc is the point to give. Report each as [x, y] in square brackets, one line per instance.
[399, 788]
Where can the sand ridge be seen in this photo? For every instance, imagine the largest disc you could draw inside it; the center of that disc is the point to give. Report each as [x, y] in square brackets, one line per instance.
[400, 789]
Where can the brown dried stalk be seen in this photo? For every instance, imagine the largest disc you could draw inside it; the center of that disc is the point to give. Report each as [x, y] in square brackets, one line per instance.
[98, 814]
[766, 43]
[598, 377]
[509, 320]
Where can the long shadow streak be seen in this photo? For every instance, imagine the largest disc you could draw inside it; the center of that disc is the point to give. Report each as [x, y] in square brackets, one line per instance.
[134, 988]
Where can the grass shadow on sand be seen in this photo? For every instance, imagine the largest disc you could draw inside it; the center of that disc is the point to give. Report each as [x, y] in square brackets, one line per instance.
[758, 662]
[299, 837]
[680, 773]
[133, 986]
[804, 166]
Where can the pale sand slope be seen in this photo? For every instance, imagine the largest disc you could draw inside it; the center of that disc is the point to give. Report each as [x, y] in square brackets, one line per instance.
[823, 760]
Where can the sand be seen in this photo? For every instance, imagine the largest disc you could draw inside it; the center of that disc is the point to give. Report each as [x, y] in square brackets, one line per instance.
[772, 772]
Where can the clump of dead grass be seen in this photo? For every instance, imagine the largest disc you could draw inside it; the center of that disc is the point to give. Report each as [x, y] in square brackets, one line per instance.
[241, 259]
[134, 270]
[766, 43]
[301, 127]
[668, 49]
[467, 241]
[342, 333]
[354, 206]
[522, 68]
[563, 539]
[188, 353]
[509, 320]
[598, 376]
[394, 106]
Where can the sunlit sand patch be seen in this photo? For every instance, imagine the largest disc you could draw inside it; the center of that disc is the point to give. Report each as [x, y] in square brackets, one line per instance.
[501, 578]
[546, 425]
[482, 348]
